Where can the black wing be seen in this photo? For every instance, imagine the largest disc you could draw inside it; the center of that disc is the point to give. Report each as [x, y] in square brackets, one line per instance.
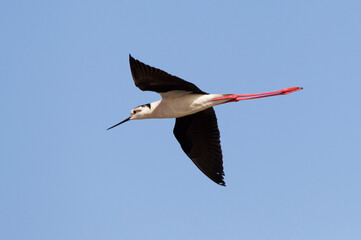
[198, 136]
[148, 78]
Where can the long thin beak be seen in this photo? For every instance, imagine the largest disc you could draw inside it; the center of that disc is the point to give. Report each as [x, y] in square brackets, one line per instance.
[120, 123]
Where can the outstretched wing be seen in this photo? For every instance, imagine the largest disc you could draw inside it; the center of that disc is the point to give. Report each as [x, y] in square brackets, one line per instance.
[199, 138]
[148, 78]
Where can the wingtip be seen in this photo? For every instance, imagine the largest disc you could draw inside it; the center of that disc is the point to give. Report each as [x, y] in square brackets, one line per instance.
[131, 59]
[221, 181]
[223, 184]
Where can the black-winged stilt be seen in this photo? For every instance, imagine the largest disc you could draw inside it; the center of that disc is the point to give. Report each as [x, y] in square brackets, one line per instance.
[196, 126]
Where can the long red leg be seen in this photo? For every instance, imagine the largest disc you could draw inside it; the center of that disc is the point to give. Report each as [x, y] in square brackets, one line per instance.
[237, 97]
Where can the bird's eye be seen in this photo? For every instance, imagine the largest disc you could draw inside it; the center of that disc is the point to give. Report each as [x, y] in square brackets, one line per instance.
[135, 111]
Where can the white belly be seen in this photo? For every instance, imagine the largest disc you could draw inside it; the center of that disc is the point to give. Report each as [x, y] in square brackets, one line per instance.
[183, 105]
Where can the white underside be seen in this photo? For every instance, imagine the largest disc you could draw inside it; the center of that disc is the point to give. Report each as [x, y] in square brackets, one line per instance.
[177, 104]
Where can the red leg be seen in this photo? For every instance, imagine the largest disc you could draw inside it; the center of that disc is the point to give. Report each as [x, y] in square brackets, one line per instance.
[236, 97]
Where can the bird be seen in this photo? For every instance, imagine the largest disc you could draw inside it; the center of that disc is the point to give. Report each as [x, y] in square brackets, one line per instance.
[196, 127]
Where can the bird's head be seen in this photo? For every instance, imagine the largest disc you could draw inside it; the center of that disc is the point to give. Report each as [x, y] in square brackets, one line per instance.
[139, 112]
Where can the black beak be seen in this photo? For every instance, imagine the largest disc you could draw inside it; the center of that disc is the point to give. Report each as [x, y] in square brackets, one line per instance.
[120, 123]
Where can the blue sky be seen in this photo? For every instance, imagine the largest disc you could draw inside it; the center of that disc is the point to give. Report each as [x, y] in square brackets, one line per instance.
[292, 163]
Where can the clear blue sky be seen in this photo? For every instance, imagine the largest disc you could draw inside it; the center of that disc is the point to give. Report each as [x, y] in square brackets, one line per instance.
[292, 163]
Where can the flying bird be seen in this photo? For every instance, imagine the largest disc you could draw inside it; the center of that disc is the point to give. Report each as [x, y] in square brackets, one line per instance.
[196, 127]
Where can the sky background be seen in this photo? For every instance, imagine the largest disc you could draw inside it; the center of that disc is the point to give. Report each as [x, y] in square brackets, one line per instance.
[292, 163]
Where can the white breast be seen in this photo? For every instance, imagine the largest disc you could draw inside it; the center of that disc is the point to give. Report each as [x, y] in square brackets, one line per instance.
[181, 103]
